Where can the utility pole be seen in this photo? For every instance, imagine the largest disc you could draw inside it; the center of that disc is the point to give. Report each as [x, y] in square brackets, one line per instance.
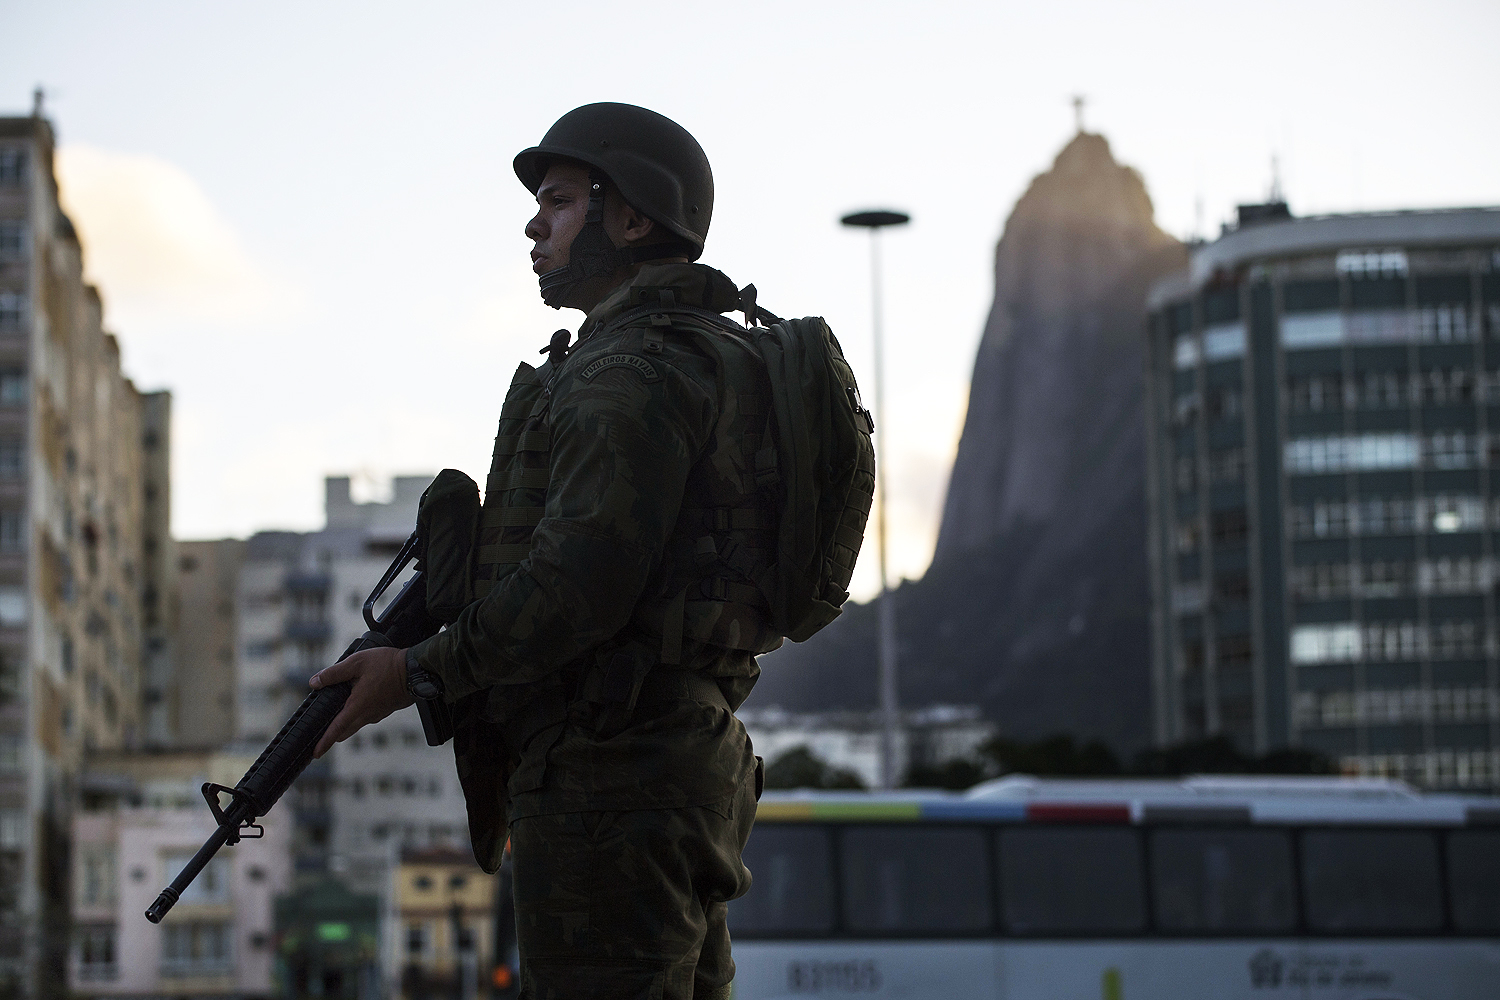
[886, 650]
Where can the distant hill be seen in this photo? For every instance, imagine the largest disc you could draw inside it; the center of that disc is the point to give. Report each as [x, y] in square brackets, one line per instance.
[1036, 605]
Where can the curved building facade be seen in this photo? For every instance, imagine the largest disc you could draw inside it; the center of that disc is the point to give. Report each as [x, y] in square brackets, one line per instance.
[1324, 400]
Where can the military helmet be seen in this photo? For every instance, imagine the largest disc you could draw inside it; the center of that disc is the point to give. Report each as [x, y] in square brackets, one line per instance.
[655, 163]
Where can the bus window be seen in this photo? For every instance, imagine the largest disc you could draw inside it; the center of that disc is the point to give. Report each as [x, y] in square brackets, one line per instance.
[916, 879]
[792, 889]
[1371, 880]
[1071, 880]
[1223, 880]
[1474, 880]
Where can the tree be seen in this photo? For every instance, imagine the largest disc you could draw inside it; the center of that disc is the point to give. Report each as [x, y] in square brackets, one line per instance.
[800, 768]
[1054, 756]
[1219, 755]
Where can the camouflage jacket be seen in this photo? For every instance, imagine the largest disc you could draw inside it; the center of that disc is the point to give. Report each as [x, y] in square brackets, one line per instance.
[641, 446]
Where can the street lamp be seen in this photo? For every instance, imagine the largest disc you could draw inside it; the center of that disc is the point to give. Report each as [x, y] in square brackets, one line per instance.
[875, 220]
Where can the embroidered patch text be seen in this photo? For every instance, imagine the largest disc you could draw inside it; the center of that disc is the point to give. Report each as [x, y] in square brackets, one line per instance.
[640, 364]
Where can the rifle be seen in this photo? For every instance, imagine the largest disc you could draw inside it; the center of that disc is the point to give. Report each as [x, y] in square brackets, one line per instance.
[404, 622]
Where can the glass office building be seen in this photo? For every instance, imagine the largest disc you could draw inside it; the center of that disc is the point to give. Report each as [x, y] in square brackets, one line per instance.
[1324, 406]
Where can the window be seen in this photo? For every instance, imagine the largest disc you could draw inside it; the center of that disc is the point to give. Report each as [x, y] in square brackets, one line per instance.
[1185, 352]
[1384, 391]
[12, 458]
[907, 879]
[13, 387]
[1224, 341]
[793, 894]
[1371, 263]
[1235, 650]
[1187, 479]
[1337, 643]
[96, 952]
[212, 883]
[1474, 880]
[195, 948]
[12, 829]
[10, 678]
[12, 531]
[1185, 408]
[12, 240]
[1371, 880]
[96, 886]
[1189, 536]
[12, 167]
[1227, 466]
[1230, 526]
[1071, 880]
[1314, 329]
[1453, 450]
[1310, 296]
[1223, 881]
[416, 939]
[12, 310]
[1315, 394]
[12, 606]
[1225, 404]
[1358, 452]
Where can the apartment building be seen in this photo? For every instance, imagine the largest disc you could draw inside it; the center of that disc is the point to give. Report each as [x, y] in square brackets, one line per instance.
[200, 699]
[442, 926]
[141, 818]
[1324, 431]
[75, 570]
[300, 601]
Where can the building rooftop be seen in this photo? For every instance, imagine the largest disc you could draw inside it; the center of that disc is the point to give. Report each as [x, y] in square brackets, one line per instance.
[1290, 237]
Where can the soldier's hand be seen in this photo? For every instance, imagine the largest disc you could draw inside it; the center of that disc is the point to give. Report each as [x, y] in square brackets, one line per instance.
[379, 677]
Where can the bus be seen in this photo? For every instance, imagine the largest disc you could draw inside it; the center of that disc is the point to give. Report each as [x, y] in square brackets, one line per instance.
[1042, 889]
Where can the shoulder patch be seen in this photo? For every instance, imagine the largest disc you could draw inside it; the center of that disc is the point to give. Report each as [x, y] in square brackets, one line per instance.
[640, 364]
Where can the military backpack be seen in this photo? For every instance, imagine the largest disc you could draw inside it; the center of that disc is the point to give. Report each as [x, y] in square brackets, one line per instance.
[816, 462]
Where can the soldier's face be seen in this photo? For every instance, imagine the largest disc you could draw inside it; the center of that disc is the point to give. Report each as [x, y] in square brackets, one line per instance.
[562, 201]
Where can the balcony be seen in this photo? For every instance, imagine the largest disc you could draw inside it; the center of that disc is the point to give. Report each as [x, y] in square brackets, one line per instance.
[308, 630]
[302, 583]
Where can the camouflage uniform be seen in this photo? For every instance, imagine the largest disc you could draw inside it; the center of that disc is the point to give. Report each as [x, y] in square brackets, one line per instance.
[596, 680]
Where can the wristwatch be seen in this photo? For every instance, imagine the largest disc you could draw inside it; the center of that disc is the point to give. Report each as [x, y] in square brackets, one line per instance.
[420, 684]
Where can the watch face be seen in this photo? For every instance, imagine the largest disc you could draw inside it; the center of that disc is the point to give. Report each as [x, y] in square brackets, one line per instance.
[422, 686]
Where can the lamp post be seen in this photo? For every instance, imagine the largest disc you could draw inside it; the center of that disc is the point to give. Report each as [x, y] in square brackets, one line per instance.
[875, 220]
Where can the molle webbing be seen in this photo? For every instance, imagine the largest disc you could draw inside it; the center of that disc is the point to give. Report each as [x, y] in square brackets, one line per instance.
[516, 490]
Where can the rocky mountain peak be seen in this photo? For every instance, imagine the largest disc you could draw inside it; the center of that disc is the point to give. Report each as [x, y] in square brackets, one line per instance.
[1081, 230]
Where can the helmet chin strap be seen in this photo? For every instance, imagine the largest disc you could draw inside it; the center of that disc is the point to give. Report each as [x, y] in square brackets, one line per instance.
[594, 254]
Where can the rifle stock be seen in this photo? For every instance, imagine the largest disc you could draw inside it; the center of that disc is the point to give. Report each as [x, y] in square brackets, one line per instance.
[403, 623]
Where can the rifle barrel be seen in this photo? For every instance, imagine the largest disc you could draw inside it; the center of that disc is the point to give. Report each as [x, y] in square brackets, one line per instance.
[190, 871]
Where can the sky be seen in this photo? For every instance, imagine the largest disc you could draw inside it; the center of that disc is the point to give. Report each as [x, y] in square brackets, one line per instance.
[304, 221]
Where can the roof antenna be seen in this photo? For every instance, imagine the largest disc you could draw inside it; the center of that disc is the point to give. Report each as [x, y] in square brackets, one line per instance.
[1078, 102]
[1276, 196]
[38, 96]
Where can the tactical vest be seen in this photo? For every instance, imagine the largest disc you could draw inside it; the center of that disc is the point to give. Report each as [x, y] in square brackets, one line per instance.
[515, 491]
[704, 590]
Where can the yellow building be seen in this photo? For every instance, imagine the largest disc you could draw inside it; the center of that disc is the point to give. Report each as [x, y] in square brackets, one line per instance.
[438, 891]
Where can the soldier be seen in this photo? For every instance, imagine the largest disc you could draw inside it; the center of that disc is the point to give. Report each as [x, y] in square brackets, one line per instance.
[623, 529]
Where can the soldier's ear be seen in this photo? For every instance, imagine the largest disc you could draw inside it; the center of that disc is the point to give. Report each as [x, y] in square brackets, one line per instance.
[635, 227]
[630, 225]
